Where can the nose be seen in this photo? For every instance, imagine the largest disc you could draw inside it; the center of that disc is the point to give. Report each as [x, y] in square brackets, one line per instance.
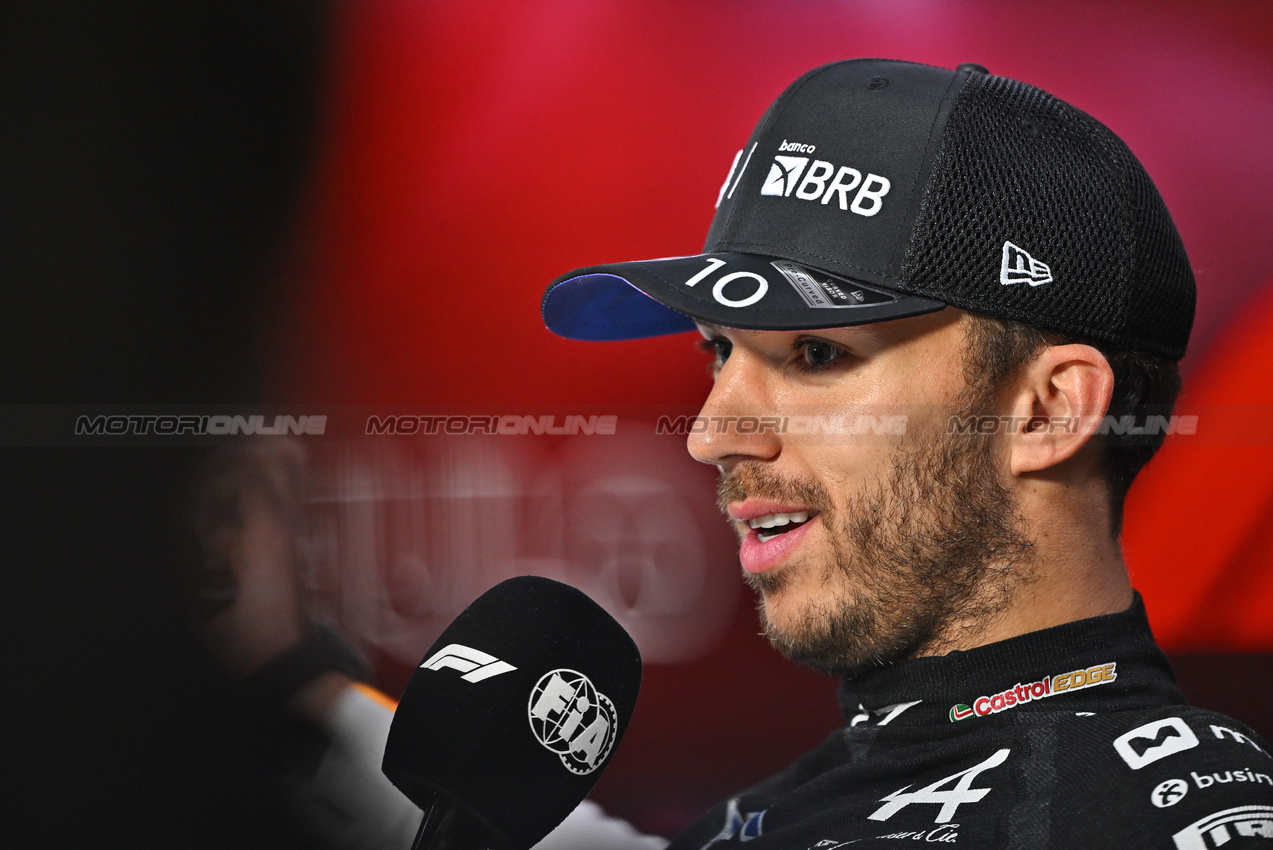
[739, 421]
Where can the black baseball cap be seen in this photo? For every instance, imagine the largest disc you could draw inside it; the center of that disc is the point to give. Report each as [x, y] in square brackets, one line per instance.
[875, 189]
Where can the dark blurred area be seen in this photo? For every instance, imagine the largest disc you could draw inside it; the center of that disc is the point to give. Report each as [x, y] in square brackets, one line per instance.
[153, 153]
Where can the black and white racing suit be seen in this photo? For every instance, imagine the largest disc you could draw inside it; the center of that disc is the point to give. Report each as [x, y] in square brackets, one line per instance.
[1071, 737]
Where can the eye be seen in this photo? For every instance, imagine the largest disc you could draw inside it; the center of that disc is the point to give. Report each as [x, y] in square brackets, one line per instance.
[719, 348]
[817, 354]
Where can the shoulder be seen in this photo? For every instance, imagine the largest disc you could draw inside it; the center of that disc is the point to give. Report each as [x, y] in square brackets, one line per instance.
[1154, 777]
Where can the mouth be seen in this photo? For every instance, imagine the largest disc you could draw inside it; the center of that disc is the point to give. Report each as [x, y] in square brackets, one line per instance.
[769, 526]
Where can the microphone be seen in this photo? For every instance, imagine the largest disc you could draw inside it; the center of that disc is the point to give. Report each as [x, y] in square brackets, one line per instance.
[512, 716]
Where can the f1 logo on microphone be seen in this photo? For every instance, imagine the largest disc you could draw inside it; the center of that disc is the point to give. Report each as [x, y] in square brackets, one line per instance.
[475, 664]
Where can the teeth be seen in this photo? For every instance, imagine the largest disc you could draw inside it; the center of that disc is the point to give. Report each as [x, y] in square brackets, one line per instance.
[772, 520]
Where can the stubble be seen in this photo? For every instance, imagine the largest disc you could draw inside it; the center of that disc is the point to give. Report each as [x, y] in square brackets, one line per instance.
[925, 558]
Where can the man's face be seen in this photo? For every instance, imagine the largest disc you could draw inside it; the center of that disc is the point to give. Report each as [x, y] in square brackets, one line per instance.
[888, 537]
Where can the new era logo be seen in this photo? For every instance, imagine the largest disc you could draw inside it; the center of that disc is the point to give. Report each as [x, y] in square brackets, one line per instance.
[1147, 744]
[1019, 267]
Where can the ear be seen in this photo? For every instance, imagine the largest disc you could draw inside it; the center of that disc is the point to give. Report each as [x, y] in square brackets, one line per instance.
[1061, 396]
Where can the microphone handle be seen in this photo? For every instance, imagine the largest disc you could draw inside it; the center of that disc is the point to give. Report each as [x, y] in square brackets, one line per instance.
[447, 826]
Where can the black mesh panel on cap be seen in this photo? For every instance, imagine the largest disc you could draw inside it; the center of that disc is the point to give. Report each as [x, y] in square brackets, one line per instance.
[1162, 293]
[1018, 165]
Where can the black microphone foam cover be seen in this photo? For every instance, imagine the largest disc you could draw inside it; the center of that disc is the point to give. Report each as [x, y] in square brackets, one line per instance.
[516, 709]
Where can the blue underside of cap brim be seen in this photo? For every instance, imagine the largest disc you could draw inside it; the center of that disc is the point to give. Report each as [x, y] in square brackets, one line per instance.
[603, 307]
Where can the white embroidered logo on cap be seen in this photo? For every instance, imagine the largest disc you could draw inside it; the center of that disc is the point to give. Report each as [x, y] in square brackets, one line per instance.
[822, 182]
[783, 174]
[732, 177]
[1019, 267]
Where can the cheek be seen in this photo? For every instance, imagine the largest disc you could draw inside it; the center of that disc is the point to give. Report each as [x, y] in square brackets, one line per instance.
[845, 470]
[927, 376]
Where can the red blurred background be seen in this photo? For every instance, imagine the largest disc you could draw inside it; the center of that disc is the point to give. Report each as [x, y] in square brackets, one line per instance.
[471, 152]
[360, 203]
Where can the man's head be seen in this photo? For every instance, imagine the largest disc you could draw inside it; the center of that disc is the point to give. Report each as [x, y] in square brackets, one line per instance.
[955, 248]
[863, 548]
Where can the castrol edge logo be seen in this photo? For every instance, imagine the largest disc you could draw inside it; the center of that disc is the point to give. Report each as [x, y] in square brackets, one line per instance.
[1048, 686]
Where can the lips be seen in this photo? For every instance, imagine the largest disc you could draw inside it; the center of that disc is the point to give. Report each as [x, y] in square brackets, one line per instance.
[759, 554]
[774, 530]
[751, 509]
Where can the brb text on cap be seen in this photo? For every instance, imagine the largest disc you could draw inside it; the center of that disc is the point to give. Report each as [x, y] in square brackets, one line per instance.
[822, 181]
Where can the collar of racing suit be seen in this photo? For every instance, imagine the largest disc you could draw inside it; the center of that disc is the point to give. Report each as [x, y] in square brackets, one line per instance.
[1097, 665]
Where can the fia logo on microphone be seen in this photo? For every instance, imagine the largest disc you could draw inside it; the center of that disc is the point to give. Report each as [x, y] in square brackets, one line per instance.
[573, 719]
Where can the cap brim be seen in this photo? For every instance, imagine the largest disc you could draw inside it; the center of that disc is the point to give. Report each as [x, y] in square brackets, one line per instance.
[749, 291]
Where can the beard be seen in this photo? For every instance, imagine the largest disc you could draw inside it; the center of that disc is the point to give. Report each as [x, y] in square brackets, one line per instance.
[937, 545]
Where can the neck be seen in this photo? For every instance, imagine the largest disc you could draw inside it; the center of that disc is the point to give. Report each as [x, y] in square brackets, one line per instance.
[1075, 571]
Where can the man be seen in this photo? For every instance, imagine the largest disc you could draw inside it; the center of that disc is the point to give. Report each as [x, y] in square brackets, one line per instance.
[926, 293]
[991, 274]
